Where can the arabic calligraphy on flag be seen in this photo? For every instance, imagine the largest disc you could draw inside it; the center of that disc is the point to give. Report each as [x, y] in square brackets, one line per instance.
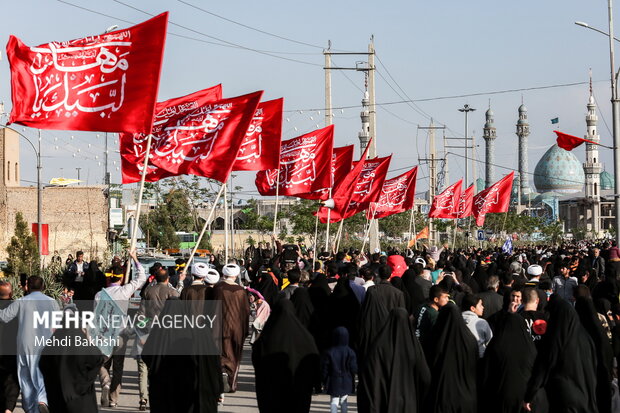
[305, 165]
[495, 198]
[105, 83]
[205, 141]
[445, 205]
[133, 146]
[397, 195]
[263, 135]
[342, 159]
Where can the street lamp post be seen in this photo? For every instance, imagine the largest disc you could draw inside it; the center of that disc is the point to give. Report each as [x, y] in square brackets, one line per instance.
[615, 112]
[39, 192]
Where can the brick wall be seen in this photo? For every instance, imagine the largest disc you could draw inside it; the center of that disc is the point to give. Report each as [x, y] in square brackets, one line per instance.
[77, 217]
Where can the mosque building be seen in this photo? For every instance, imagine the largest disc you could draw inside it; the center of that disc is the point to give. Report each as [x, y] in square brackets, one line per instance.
[578, 194]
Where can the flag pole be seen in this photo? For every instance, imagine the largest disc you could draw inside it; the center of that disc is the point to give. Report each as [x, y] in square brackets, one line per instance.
[411, 220]
[339, 235]
[225, 226]
[367, 228]
[316, 235]
[204, 227]
[329, 212]
[134, 234]
[275, 213]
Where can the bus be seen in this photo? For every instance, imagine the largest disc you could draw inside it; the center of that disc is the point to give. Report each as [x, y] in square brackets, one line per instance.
[187, 239]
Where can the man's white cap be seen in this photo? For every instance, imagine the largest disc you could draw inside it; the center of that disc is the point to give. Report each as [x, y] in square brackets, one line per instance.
[199, 269]
[212, 276]
[420, 260]
[534, 270]
[231, 270]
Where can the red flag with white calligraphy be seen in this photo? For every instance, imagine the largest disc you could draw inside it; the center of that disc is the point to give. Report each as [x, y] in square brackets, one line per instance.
[256, 152]
[495, 198]
[305, 165]
[342, 160]
[446, 204]
[397, 195]
[369, 184]
[167, 113]
[106, 82]
[205, 141]
[344, 193]
[466, 203]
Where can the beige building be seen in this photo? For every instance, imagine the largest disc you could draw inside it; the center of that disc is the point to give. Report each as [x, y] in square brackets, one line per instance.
[77, 215]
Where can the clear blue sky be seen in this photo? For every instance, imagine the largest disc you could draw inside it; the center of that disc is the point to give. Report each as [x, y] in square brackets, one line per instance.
[432, 49]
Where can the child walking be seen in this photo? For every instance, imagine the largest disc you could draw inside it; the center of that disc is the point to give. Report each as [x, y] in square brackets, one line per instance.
[338, 367]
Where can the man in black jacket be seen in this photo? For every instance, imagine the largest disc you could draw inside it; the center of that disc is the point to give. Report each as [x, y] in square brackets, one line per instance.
[491, 300]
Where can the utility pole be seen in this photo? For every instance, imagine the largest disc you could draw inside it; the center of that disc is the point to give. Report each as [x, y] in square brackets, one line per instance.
[432, 171]
[373, 234]
[369, 68]
[78, 173]
[328, 85]
[466, 109]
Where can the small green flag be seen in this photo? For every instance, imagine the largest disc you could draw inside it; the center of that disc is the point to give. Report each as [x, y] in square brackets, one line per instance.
[555, 120]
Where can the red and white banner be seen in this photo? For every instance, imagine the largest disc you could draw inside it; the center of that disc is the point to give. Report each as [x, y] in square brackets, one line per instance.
[369, 184]
[46, 236]
[446, 204]
[257, 149]
[167, 113]
[466, 203]
[344, 192]
[106, 82]
[397, 195]
[305, 165]
[342, 160]
[205, 141]
[495, 198]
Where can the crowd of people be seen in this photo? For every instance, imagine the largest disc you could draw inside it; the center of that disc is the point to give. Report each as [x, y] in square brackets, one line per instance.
[429, 330]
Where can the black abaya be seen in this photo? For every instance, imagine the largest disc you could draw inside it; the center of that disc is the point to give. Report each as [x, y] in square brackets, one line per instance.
[303, 306]
[197, 375]
[604, 353]
[566, 363]
[286, 363]
[70, 372]
[506, 366]
[373, 317]
[395, 377]
[452, 358]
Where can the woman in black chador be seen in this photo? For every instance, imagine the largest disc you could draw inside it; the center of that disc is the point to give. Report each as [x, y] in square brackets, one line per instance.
[452, 359]
[566, 363]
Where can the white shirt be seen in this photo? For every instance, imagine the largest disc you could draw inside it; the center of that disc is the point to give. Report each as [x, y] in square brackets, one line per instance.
[122, 293]
[25, 308]
[368, 283]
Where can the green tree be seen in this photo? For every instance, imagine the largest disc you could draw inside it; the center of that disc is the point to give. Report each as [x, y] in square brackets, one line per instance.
[23, 251]
[553, 232]
[171, 215]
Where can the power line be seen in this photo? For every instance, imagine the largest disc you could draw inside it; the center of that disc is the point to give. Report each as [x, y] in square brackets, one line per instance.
[250, 27]
[496, 92]
[218, 39]
[224, 43]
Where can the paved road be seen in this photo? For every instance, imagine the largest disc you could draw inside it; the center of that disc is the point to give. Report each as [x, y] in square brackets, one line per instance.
[242, 401]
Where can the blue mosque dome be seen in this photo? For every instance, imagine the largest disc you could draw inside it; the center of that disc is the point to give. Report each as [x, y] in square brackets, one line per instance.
[559, 171]
[607, 180]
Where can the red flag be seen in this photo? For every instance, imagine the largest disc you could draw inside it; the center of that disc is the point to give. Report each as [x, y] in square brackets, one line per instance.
[205, 141]
[397, 195]
[167, 113]
[446, 204]
[495, 198]
[570, 142]
[45, 242]
[344, 192]
[106, 82]
[256, 152]
[466, 203]
[305, 165]
[369, 184]
[342, 160]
